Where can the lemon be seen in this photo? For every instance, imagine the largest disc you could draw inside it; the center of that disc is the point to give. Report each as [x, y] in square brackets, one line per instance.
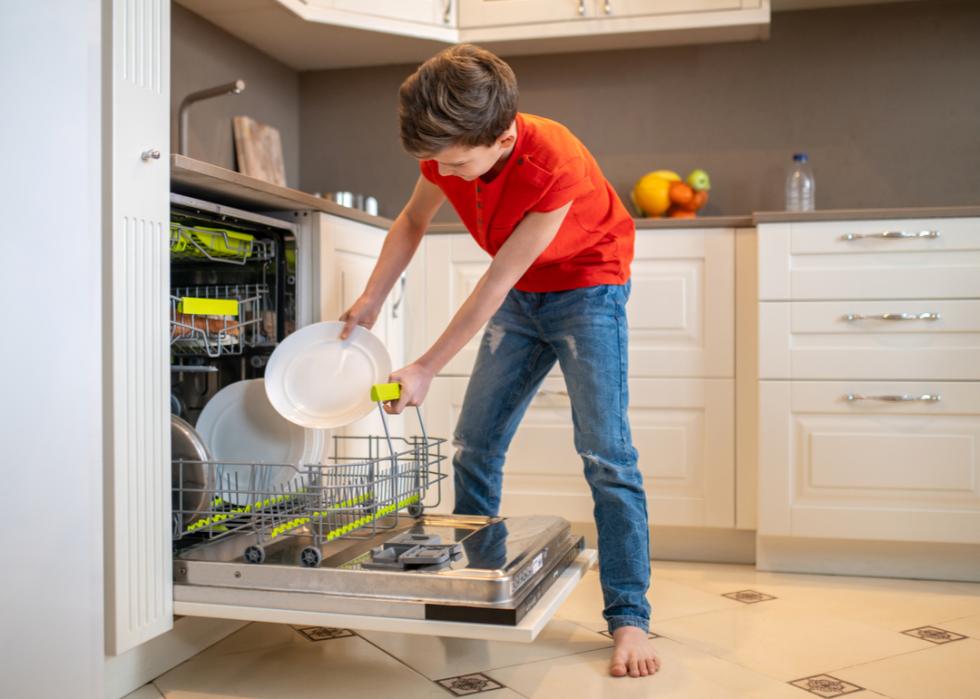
[651, 194]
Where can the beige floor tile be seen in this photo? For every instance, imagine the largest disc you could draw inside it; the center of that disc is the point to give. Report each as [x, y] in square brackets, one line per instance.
[786, 641]
[255, 636]
[147, 691]
[947, 671]
[343, 667]
[668, 599]
[968, 626]
[685, 673]
[890, 603]
[437, 657]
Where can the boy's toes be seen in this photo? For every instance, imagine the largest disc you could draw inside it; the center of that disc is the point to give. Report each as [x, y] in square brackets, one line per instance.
[634, 667]
[617, 668]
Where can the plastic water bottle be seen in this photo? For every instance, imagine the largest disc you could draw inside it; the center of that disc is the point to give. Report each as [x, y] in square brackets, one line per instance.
[800, 185]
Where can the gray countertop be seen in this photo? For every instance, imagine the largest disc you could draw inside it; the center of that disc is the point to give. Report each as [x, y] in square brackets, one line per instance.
[208, 181]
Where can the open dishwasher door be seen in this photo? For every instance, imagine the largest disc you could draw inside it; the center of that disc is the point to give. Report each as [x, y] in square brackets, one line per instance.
[446, 575]
[346, 543]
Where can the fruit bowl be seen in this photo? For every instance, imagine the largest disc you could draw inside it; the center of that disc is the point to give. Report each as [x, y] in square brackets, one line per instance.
[662, 193]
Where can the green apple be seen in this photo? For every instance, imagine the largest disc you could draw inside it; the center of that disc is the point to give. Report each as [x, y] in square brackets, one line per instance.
[698, 179]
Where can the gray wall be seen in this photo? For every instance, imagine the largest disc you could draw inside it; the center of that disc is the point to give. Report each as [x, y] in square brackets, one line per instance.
[203, 55]
[885, 99]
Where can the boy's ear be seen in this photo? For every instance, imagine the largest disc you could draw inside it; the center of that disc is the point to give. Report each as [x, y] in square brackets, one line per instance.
[508, 137]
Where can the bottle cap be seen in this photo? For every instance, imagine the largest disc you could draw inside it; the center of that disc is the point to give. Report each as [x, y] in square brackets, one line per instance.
[799, 157]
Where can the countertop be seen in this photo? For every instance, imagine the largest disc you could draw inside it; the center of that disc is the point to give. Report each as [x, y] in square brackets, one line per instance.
[207, 181]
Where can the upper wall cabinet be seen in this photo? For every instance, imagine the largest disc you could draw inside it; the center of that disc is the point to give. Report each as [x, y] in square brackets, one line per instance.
[326, 34]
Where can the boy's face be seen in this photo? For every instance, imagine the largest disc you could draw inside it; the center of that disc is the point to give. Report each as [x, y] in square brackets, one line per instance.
[470, 162]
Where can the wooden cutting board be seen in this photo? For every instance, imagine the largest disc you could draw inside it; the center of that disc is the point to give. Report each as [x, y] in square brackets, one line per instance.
[258, 150]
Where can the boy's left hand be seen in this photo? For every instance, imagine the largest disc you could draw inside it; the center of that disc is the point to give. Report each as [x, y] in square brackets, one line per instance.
[415, 380]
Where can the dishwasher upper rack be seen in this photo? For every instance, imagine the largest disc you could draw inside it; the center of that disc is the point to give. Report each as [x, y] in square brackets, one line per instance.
[214, 335]
[189, 243]
[351, 496]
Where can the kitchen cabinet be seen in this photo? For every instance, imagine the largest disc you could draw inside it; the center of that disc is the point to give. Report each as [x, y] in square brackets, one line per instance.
[348, 251]
[488, 13]
[869, 395]
[681, 313]
[862, 468]
[681, 317]
[424, 12]
[329, 34]
[683, 430]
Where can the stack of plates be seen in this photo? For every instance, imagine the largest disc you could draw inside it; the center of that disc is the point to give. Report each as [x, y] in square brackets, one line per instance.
[241, 428]
[314, 381]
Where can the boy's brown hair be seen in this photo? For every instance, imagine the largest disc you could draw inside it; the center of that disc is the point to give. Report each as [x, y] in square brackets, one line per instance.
[462, 96]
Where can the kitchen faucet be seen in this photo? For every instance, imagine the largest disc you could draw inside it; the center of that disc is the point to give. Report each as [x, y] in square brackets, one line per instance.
[232, 88]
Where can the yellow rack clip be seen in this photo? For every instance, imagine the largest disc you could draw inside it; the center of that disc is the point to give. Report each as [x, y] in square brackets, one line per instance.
[386, 391]
[208, 307]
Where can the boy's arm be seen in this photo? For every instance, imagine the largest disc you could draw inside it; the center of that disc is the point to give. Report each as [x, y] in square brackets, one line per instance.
[529, 239]
[400, 244]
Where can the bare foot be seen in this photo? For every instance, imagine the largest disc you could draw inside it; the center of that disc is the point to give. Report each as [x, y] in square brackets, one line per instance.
[632, 654]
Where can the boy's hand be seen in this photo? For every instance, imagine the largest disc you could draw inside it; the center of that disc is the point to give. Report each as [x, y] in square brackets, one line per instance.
[415, 380]
[363, 312]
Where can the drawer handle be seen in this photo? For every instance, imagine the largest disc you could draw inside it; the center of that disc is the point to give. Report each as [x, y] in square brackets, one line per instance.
[892, 316]
[903, 398]
[892, 234]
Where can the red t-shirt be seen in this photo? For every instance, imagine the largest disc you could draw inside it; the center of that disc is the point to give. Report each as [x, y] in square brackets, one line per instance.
[548, 168]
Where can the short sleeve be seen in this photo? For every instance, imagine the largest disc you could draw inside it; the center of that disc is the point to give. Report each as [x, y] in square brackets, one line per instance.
[571, 182]
[428, 170]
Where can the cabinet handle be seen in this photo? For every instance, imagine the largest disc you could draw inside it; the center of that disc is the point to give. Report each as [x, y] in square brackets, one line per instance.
[892, 316]
[447, 11]
[903, 398]
[607, 7]
[401, 297]
[581, 8]
[891, 234]
[147, 154]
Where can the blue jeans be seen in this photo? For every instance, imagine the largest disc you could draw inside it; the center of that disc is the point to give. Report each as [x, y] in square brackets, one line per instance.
[585, 331]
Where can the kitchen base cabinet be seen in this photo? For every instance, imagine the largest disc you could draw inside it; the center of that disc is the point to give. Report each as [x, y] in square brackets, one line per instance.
[844, 460]
[683, 430]
[869, 403]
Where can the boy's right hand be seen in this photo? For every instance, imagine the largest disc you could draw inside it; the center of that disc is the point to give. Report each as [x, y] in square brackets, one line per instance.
[363, 312]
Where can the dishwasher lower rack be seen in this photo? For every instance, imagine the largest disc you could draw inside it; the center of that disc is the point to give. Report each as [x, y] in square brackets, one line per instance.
[353, 497]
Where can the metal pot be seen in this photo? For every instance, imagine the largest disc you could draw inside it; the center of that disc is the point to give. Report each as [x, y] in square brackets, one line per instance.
[192, 474]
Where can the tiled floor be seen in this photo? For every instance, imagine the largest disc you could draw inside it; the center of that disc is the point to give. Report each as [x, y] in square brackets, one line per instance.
[724, 631]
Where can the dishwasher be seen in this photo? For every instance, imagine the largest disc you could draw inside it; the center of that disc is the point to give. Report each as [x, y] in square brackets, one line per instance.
[348, 539]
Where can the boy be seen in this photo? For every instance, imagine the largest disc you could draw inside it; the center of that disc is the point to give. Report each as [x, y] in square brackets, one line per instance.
[534, 198]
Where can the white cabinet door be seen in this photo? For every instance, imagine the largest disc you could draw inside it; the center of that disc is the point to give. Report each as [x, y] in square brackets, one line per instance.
[489, 13]
[887, 259]
[422, 11]
[901, 339]
[868, 469]
[681, 312]
[453, 264]
[633, 8]
[348, 252]
[683, 430]
[137, 458]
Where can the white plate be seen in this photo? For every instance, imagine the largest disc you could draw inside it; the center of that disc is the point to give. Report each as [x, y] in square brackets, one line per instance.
[316, 380]
[239, 425]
